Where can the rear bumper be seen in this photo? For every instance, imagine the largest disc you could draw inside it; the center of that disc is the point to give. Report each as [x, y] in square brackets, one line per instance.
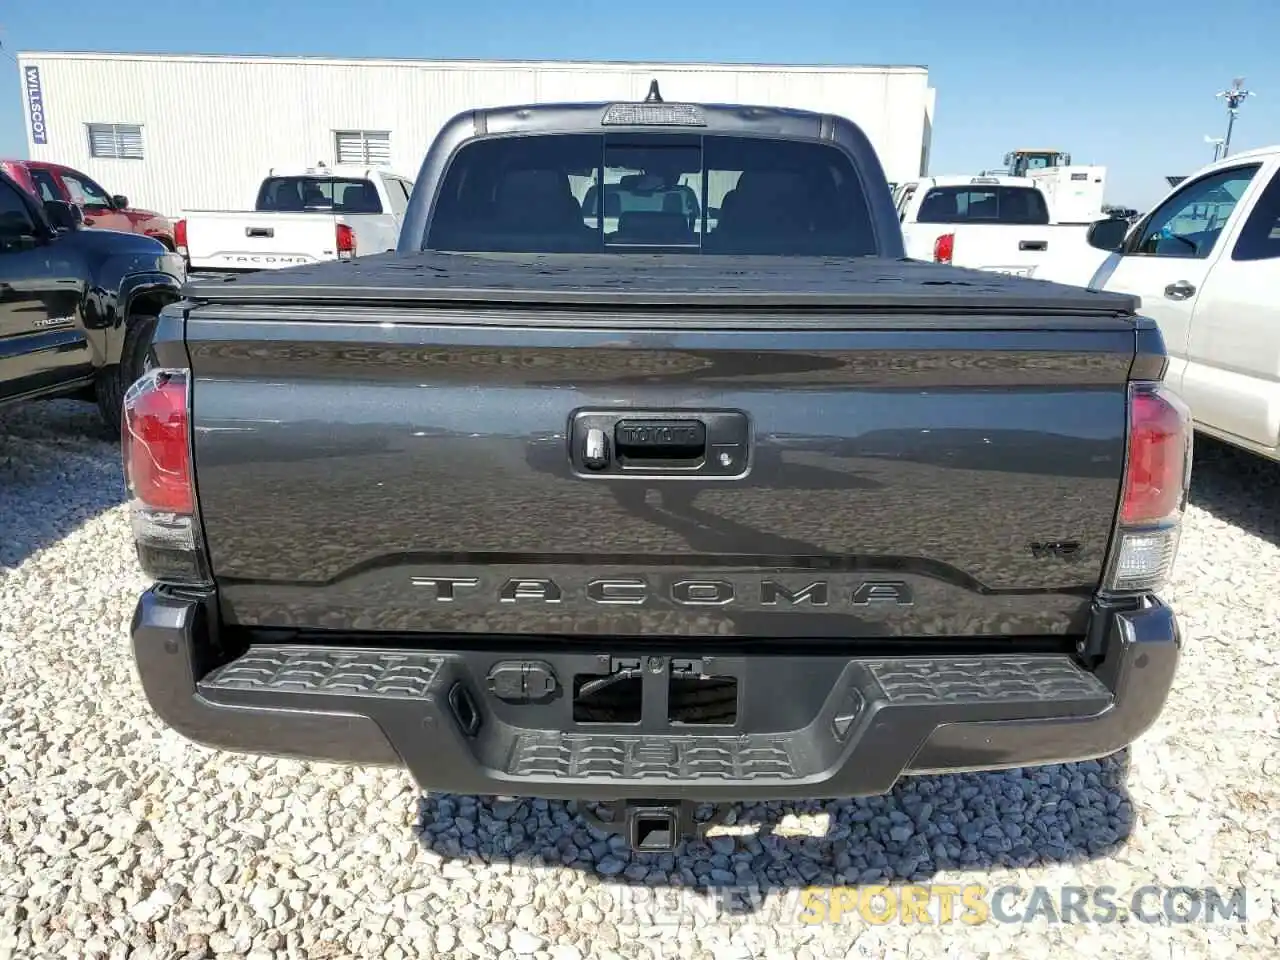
[807, 726]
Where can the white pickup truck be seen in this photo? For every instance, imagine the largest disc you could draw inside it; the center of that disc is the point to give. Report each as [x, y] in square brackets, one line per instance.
[997, 223]
[302, 215]
[1206, 263]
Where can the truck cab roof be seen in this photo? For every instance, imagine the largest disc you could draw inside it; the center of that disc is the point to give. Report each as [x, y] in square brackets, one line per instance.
[1257, 153]
[321, 169]
[991, 180]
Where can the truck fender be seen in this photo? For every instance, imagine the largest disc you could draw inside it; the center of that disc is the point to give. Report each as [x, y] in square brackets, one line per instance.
[159, 287]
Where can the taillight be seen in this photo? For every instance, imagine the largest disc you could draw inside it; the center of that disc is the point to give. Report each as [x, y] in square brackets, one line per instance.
[346, 238]
[1158, 436]
[180, 237]
[944, 247]
[1154, 496]
[156, 448]
[157, 459]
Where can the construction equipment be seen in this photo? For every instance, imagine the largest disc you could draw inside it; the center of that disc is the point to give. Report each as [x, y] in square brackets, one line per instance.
[1075, 193]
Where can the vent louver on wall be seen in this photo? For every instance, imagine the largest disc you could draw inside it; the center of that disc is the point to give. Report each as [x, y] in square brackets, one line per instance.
[116, 141]
[363, 146]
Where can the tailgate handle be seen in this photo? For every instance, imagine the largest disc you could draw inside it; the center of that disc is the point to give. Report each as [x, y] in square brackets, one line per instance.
[1033, 244]
[705, 444]
[646, 441]
[259, 232]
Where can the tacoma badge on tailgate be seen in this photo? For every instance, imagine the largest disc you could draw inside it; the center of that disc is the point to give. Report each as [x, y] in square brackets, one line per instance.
[684, 591]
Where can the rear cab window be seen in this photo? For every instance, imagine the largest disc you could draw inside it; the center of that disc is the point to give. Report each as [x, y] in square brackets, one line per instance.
[641, 192]
[329, 194]
[973, 203]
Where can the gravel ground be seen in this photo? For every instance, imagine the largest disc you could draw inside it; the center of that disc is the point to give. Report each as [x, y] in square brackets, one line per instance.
[119, 838]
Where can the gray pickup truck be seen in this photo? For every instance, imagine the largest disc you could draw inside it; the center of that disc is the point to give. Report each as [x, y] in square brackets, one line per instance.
[697, 493]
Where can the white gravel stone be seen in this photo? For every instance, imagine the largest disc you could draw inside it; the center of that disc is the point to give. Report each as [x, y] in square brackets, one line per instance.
[119, 838]
[524, 943]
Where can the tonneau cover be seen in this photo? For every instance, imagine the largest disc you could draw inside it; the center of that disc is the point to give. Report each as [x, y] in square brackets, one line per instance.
[666, 280]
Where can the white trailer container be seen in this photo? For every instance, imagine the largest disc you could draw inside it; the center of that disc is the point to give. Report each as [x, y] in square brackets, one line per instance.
[183, 132]
[1075, 191]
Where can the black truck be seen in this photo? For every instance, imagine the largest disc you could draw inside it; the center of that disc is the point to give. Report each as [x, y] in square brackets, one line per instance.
[77, 307]
[697, 493]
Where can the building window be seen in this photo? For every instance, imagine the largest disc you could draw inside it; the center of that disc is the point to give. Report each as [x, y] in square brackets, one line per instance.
[115, 141]
[363, 146]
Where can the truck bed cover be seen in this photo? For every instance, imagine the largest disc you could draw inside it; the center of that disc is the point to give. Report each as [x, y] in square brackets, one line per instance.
[661, 280]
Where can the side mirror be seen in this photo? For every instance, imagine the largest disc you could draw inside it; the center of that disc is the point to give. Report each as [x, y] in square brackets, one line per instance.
[1107, 234]
[63, 216]
[120, 202]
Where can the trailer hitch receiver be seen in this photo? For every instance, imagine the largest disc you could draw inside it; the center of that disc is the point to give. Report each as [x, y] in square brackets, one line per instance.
[653, 826]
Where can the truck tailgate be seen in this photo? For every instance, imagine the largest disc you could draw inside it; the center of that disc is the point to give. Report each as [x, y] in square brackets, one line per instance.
[1043, 252]
[259, 241]
[896, 469]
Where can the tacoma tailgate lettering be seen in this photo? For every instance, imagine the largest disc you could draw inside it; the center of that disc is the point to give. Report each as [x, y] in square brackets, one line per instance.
[702, 592]
[886, 592]
[445, 586]
[633, 591]
[545, 590]
[617, 591]
[815, 593]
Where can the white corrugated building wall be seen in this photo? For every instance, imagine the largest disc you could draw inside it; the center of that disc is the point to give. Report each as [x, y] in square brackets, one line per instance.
[177, 133]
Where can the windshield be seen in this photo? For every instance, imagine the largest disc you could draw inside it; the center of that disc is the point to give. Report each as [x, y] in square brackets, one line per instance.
[319, 193]
[583, 193]
[969, 204]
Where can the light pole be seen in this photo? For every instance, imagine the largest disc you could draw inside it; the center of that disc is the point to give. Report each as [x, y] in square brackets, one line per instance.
[1234, 98]
[1217, 146]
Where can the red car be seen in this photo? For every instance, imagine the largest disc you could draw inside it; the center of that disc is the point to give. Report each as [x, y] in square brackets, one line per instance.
[52, 181]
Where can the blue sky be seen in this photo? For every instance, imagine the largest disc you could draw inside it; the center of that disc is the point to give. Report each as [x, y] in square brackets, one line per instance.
[1126, 83]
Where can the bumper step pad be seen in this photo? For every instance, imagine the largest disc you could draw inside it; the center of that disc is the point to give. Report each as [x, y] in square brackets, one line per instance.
[336, 672]
[992, 679]
[554, 755]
